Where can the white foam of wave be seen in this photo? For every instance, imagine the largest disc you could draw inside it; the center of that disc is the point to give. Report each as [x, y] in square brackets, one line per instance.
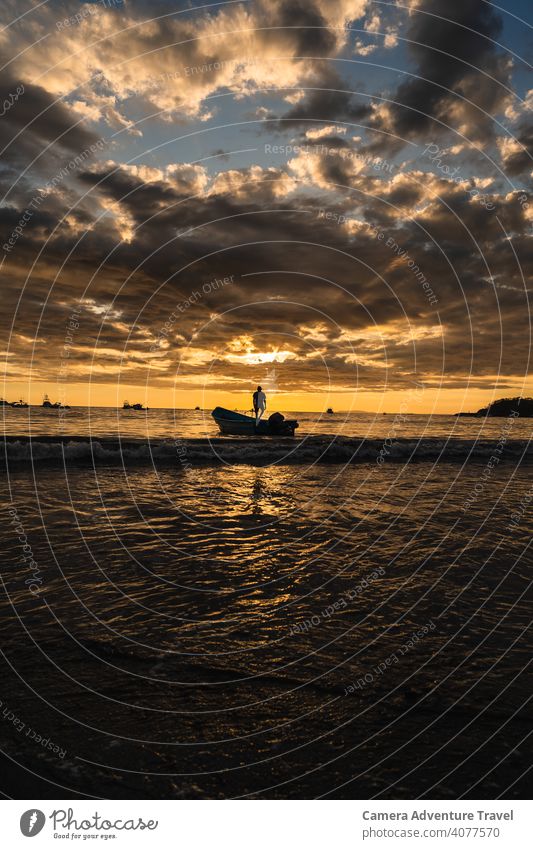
[255, 452]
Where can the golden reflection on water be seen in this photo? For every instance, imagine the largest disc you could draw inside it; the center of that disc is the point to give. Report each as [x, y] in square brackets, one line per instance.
[229, 558]
[212, 600]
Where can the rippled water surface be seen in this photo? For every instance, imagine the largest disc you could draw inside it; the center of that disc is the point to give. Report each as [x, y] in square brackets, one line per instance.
[166, 423]
[241, 631]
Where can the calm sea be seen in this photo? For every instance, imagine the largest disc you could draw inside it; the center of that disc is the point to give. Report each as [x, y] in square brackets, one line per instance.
[168, 423]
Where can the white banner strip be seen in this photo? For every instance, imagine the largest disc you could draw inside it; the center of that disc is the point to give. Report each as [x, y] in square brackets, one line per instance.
[265, 824]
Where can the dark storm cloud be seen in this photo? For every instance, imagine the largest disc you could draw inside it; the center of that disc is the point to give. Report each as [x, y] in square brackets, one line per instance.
[39, 140]
[36, 120]
[451, 42]
[520, 162]
[328, 98]
[445, 40]
[142, 199]
[458, 78]
[311, 34]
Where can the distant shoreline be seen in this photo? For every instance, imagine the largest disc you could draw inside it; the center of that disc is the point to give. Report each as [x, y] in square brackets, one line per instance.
[518, 407]
[208, 411]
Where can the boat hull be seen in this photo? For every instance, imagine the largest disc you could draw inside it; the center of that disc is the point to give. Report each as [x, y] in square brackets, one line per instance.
[236, 424]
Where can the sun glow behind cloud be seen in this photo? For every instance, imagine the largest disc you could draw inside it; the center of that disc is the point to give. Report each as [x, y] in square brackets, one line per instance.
[252, 358]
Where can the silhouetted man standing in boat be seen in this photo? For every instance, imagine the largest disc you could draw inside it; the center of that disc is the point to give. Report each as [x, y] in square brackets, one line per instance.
[260, 403]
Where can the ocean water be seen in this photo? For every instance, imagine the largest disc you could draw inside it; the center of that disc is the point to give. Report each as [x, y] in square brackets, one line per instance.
[184, 438]
[276, 623]
[160, 424]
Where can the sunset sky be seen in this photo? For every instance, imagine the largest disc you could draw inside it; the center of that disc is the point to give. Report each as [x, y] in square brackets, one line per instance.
[331, 198]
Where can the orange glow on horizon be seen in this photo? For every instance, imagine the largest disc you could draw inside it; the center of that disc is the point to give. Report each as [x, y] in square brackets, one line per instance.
[432, 400]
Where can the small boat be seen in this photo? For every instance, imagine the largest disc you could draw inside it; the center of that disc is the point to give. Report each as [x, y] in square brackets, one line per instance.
[128, 406]
[19, 404]
[238, 424]
[197, 408]
[4, 403]
[57, 405]
[329, 411]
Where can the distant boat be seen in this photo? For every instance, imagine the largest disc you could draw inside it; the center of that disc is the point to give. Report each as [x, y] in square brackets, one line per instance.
[57, 405]
[197, 408]
[237, 424]
[329, 411]
[19, 404]
[128, 406]
[4, 403]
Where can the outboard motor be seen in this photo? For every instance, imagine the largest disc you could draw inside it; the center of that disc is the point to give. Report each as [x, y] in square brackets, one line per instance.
[275, 422]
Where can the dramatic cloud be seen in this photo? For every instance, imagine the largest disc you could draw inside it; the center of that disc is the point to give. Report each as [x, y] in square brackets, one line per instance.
[460, 78]
[230, 221]
[173, 60]
[327, 100]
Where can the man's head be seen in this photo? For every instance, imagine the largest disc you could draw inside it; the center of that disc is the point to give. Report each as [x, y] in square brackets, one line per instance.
[259, 389]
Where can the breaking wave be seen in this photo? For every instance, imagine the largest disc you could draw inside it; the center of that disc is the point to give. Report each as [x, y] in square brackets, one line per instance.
[186, 454]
